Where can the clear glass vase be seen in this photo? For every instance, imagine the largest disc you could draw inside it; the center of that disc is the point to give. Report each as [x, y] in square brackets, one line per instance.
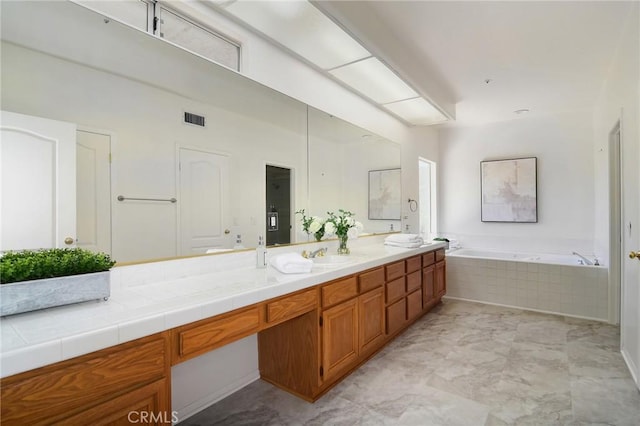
[342, 247]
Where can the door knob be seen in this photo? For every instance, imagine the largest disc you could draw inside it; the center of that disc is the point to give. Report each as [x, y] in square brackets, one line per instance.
[226, 231]
[68, 241]
[634, 255]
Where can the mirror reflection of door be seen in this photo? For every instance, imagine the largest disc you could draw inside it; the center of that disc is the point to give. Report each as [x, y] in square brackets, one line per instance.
[37, 182]
[278, 205]
[203, 201]
[93, 191]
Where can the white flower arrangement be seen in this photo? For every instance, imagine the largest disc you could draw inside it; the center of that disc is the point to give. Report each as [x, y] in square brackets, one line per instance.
[312, 225]
[343, 224]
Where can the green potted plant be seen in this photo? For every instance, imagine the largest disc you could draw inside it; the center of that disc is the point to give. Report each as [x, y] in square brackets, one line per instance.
[442, 239]
[39, 279]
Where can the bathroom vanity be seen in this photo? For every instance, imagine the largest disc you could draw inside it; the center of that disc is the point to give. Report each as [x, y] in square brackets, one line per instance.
[320, 327]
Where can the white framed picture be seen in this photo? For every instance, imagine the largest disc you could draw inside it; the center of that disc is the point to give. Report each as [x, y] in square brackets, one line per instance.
[509, 190]
[385, 190]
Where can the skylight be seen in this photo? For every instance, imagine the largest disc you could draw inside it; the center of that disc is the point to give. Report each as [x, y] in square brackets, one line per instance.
[301, 28]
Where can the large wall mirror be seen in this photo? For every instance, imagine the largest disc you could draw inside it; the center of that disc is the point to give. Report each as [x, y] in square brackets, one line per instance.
[127, 92]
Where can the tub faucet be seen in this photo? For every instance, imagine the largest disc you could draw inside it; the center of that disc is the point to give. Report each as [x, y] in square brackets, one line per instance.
[585, 261]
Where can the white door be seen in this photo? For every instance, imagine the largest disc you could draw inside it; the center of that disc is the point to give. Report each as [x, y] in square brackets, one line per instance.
[37, 182]
[93, 186]
[630, 315]
[203, 201]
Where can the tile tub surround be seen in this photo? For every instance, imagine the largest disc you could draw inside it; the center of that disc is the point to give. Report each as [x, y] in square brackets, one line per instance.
[581, 291]
[465, 364]
[153, 297]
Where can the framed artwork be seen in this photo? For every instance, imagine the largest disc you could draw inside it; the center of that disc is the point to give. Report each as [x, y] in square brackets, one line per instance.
[509, 190]
[384, 194]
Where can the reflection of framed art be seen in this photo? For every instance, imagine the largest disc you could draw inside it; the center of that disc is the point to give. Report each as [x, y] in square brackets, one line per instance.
[384, 194]
[509, 190]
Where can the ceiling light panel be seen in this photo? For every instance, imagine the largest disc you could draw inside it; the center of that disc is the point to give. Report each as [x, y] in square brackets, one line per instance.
[301, 27]
[373, 79]
[418, 112]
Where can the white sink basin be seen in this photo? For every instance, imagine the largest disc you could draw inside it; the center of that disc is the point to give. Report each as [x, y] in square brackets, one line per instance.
[333, 260]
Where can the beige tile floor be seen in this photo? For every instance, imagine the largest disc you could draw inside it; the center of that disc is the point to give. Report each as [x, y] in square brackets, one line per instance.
[465, 364]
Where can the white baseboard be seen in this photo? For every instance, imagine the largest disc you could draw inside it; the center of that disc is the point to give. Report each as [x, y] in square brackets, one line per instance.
[633, 368]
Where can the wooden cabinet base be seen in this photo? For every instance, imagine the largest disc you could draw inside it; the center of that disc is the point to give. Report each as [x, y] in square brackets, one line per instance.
[102, 385]
[288, 355]
[308, 341]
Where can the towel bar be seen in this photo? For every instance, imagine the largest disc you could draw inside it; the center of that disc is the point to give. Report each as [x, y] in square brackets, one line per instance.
[170, 200]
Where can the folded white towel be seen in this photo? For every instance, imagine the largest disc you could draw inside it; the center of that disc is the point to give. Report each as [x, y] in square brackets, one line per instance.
[291, 263]
[403, 238]
[415, 244]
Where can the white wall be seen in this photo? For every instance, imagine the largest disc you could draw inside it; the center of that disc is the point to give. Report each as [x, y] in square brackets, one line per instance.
[563, 145]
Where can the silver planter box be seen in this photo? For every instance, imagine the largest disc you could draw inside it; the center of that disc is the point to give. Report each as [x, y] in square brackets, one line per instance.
[28, 296]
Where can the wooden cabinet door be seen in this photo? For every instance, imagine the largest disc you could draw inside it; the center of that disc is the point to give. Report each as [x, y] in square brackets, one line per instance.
[396, 316]
[428, 286]
[339, 338]
[414, 304]
[371, 313]
[147, 406]
[441, 278]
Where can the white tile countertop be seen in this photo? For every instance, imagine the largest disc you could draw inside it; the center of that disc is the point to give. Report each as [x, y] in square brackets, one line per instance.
[153, 297]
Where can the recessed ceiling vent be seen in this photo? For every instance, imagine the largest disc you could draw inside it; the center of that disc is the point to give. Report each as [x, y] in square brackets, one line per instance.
[195, 119]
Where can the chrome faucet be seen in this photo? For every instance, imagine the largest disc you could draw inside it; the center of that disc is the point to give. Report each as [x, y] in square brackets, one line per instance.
[583, 260]
[316, 253]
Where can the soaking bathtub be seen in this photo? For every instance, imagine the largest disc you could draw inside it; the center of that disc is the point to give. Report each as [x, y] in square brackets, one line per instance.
[552, 283]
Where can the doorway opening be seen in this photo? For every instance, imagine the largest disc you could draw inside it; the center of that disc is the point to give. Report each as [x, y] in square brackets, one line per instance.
[427, 194]
[615, 224]
[278, 205]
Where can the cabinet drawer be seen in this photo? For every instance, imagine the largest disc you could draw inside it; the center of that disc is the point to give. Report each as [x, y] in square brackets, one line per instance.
[395, 290]
[395, 270]
[428, 258]
[414, 281]
[51, 394]
[291, 306]
[396, 316]
[414, 264]
[440, 255]
[414, 304]
[212, 333]
[339, 291]
[370, 280]
[149, 405]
